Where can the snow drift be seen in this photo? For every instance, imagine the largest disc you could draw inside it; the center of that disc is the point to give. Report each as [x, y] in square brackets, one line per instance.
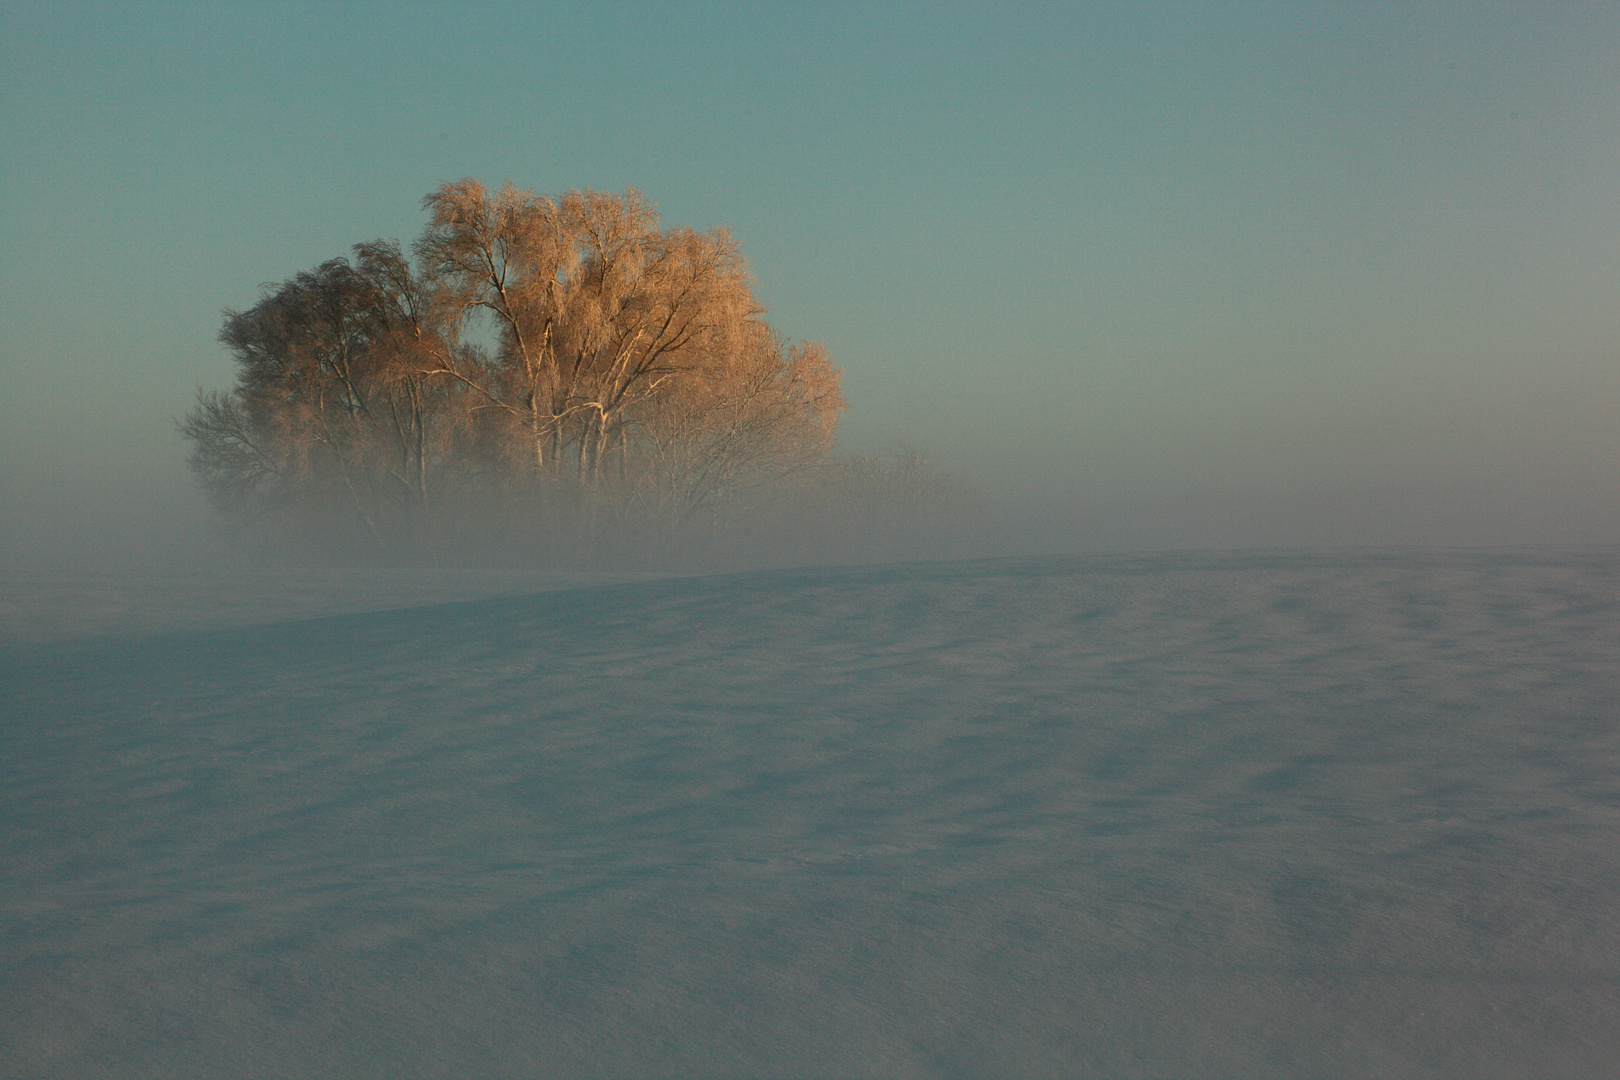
[1348, 815]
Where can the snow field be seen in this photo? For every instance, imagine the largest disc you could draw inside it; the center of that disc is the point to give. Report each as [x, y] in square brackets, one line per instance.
[1201, 815]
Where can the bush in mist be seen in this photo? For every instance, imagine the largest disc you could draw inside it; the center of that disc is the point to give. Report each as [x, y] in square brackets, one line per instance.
[553, 378]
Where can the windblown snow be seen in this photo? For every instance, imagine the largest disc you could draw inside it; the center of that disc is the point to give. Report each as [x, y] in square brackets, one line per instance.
[1199, 815]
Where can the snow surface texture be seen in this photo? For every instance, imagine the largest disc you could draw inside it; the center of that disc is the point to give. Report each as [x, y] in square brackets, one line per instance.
[1354, 815]
[40, 605]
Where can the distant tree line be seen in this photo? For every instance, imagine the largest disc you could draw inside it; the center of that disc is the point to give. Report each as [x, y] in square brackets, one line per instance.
[630, 385]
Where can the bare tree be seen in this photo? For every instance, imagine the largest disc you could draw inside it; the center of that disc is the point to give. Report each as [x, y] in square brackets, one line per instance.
[333, 403]
[595, 307]
[749, 420]
[505, 254]
[630, 369]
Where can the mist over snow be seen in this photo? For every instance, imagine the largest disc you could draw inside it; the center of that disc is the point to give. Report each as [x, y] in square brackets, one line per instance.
[1181, 815]
[1057, 539]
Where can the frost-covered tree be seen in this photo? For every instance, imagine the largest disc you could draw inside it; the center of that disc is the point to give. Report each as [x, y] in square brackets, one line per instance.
[629, 371]
[334, 406]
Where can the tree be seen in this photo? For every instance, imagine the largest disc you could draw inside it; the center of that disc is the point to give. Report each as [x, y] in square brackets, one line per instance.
[724, 430]
[630, 371]
[596, 309]
[334, 399]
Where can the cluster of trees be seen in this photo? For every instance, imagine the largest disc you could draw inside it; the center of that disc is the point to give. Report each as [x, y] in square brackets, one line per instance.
[563, 365]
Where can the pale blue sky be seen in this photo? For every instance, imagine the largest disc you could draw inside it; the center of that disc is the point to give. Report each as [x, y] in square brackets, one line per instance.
[1197, 274]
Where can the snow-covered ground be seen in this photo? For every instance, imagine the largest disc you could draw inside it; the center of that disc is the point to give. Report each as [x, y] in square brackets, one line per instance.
[1199, 815]
[52, 604]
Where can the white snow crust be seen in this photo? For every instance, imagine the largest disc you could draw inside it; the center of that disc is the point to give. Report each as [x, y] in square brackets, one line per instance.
[1180, 815]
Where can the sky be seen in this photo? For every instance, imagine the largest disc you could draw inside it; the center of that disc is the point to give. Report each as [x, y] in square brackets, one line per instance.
[1159, 275]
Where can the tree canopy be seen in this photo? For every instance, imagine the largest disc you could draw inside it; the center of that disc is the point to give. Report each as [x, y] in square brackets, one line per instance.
[563, 363]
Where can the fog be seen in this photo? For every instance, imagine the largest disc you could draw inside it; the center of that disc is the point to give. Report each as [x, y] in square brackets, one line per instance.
[158, 522]
[1325, 278]
[1235, 698]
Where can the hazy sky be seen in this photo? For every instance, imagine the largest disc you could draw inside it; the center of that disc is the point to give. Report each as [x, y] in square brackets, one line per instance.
[1183, 274]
